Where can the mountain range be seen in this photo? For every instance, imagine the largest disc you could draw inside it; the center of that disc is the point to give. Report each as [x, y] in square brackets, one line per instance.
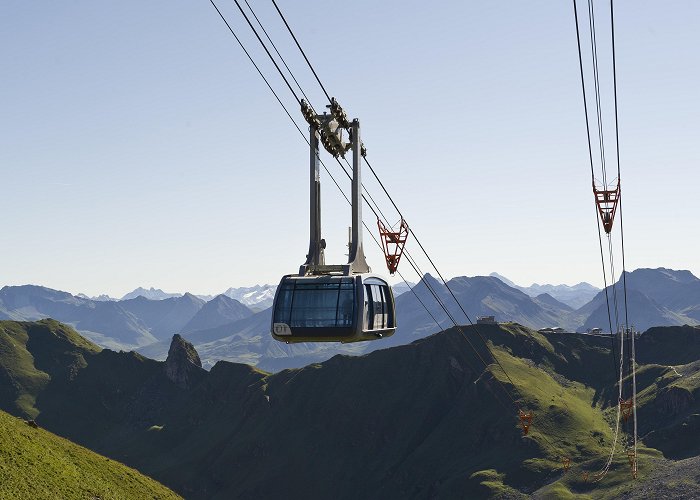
[257, 297]
[119, 324]
[431, 419]
[574, 296]
[224, 328]
[248, 340]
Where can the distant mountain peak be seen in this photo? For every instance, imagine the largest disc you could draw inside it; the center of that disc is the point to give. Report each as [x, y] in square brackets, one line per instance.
[402, 287]
[99, 298]
[183, 363]
[222, 298]
[503, 279]
[546, 298]
[150, 293]
[219, 311]
[430, 279]
[680, 275]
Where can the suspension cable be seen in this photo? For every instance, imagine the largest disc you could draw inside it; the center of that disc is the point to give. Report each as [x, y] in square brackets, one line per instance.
[278, 52]
[617, 148]
[296, 97]
[596, 82]
[631, 333]
[257, 68]
[607, 298]
[301, 50]
[614, 284]
[590, 159]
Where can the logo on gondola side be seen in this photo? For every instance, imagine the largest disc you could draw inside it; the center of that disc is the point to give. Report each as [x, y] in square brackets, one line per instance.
[281, 329]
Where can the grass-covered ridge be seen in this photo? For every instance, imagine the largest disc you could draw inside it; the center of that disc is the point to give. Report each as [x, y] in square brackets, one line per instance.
[572, 418]
[31, 353]
[35, 464]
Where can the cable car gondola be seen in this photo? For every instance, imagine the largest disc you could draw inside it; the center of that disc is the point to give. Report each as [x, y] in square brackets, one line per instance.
[325, 308]
[333, 303]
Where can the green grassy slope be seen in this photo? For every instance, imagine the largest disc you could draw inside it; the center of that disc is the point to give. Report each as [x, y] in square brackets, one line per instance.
[31, 354]
[35, 465]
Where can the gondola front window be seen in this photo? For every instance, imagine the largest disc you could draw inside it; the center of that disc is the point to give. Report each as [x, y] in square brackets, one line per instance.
[316, 303]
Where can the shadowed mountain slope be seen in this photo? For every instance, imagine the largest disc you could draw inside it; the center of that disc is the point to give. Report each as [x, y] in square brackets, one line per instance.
[164, 317]
[655, 297]
[99, 320]
[479, 296]
[421, 420]
[662, 285]
[115, 324]
[249, 341]
[642, 311]
[547, 299]
[219, 311]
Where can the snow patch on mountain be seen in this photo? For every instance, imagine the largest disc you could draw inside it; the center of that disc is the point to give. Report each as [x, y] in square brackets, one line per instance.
[258, 296]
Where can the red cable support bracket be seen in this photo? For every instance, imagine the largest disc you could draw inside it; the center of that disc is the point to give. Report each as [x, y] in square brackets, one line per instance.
[525, 420]
[606, 200]
[626, 408]
[393, 243]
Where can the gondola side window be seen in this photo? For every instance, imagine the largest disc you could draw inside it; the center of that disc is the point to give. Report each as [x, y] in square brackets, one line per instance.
[367, 325]
[377, 307]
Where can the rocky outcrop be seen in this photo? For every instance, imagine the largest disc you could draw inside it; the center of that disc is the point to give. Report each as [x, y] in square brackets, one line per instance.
[183, 366]
[675, 400]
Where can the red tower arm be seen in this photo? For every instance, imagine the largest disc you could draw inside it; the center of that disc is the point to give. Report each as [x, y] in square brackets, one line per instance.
[393, 243]
[606, 200]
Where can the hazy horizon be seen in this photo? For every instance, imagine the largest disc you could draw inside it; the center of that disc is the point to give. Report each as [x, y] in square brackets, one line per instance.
[122, 293]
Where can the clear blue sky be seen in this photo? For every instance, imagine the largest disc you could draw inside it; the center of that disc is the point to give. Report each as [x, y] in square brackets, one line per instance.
[139, 147]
